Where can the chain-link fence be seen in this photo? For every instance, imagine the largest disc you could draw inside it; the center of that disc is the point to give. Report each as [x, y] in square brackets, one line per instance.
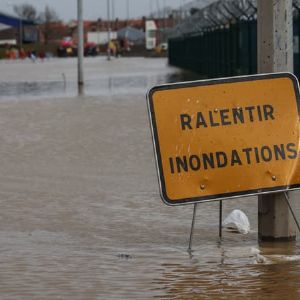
[221, 39]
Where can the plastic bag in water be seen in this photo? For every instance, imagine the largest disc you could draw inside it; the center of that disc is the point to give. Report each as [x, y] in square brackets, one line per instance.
[237, 220]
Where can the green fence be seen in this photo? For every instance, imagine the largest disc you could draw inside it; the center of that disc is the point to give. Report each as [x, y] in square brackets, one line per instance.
[225, 51]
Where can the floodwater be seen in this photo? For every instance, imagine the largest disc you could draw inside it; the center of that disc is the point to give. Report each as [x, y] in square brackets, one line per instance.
[81, 216]
[57, 77]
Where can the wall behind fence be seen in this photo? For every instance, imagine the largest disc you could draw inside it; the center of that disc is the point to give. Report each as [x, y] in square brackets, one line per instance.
[223, 52]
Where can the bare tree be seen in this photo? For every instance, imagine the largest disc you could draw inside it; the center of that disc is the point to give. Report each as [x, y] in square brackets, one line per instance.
[48, 17]
[26, 11]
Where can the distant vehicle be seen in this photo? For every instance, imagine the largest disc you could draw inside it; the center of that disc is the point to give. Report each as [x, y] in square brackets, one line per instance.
[67, 42]
[67, 48]
[163, 46]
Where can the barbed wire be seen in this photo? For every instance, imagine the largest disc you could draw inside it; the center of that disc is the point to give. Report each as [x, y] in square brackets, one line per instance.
[219, 14]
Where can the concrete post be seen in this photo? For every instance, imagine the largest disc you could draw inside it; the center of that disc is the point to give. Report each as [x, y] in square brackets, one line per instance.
[275, 36]
[275, 54]
[80, 53]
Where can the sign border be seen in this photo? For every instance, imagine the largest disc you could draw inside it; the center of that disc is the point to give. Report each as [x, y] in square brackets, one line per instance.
[206, 82]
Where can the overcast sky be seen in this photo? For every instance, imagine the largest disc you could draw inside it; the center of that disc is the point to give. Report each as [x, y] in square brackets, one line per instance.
[94, 9]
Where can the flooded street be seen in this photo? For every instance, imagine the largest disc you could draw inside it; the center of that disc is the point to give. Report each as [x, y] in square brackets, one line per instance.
[81, 216]
[58, 77]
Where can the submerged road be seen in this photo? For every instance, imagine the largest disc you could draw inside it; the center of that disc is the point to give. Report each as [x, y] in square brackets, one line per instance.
[80, 212]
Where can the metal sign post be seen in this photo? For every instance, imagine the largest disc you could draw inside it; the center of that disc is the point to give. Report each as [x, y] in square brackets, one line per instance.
[220, 218]
[291, 210]
[193, 224]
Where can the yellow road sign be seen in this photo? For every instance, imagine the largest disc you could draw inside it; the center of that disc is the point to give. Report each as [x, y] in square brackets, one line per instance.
[217, 139]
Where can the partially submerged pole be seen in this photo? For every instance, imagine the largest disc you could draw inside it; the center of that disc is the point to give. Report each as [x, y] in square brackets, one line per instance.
[220, 218]
[275, 54]
[108, 30]
[80, 31]
[20, 33]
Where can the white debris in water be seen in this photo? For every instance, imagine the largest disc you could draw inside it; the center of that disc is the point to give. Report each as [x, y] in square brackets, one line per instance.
[237, 220]
[254, 251]
[260, 259]
[283, 258]
[272, 258]
[292, 258]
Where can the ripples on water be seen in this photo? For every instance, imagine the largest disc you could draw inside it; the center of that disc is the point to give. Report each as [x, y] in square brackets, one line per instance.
[106, 86]
[81, 216]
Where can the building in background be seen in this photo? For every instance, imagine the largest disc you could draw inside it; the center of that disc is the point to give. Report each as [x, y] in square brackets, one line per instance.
[134, 35]
[16, 31]
[151, 35]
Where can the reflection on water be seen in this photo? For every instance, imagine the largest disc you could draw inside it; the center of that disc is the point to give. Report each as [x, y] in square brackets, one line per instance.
[30, 89]
[81, 216]
[112, 85]
[57, 77]
[234, 281]
[231, 273]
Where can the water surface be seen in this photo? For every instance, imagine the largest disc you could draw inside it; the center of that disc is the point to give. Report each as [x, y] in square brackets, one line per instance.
[81, 216]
